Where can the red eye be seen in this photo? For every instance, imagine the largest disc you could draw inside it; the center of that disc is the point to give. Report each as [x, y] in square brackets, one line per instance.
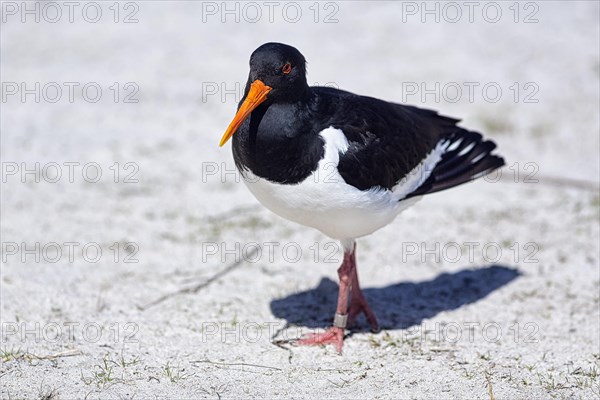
[287, 68]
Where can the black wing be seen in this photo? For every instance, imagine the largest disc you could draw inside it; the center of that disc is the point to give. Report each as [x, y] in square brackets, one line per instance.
[387, 141]
[468, 157]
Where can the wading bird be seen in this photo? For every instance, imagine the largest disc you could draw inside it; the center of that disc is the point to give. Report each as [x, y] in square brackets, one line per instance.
[344, 164]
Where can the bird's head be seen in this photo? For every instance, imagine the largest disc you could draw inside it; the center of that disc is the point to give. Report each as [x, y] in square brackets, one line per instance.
[277, 75]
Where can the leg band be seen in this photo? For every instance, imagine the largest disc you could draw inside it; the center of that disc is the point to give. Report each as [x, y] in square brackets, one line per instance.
[339, 320]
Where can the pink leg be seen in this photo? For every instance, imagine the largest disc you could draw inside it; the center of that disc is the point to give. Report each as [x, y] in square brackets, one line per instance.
[358, 303]
[348, 284]
[335, 334]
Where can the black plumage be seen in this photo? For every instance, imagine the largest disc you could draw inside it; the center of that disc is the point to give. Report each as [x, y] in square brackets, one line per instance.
[280, 140]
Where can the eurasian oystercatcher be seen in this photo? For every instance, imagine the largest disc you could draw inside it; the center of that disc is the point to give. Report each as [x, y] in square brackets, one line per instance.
[344, 164]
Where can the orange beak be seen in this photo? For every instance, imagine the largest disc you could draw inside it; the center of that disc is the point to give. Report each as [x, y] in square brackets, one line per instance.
[257, 94]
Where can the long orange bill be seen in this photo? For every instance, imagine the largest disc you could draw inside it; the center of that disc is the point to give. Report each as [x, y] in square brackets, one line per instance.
[257, 94]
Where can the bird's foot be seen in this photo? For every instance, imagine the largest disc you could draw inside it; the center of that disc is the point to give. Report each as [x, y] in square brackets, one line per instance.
[333, 335]
[359, 305]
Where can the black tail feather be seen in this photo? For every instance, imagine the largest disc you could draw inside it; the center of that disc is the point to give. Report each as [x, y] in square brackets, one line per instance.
[450, 156]
[458, 164]
[468, 157]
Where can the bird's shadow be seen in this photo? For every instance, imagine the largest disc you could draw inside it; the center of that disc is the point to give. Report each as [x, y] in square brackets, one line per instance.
[398, 306]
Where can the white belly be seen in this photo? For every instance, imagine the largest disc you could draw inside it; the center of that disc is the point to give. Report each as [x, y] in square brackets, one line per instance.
[326, 202]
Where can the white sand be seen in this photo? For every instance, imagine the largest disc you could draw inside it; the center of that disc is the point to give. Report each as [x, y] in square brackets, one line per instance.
[528, 323]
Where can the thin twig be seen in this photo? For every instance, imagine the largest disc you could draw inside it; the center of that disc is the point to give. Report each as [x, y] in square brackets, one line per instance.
[31, 356]
[488, 378]
[236, 364]
[68, 353]
[576, 183]
[202, 285]
[557, 181]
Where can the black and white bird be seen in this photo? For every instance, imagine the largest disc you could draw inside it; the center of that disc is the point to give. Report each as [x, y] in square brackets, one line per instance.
[344, 164]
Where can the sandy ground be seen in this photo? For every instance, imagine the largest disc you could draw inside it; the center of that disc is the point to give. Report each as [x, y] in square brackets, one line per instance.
[164, 278]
